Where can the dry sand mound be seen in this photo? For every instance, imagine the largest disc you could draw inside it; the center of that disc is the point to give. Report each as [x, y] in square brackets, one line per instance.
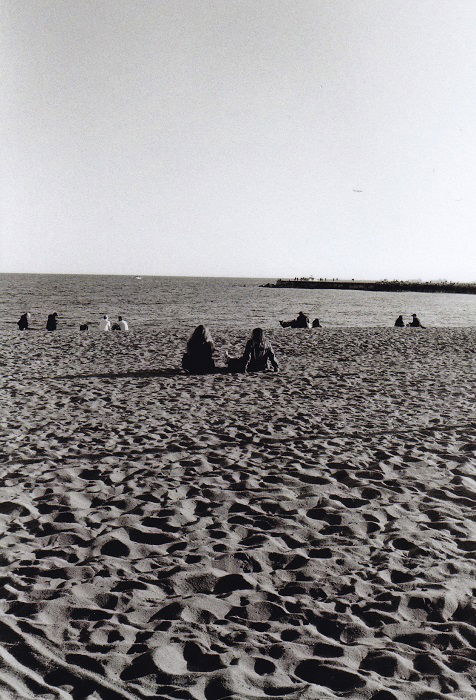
[308, 534]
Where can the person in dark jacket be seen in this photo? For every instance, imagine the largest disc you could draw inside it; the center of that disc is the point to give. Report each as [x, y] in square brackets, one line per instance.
[399, 323]
[23, 321]
[199, 356]
[316, 323]
[257, 357]
[302, 321]
[415, 322]
[51, 323]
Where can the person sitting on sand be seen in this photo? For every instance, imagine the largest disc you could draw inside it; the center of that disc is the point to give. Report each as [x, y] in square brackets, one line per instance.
[123, 325]
[23, 321]
[257, 357]
[199, 356]
[302, 321]
[52, 323]
[316, 323]
[105, 324]
[415, 322]
[399, 323]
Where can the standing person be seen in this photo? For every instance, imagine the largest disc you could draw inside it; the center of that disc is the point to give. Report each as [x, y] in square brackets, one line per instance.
[415, 322]
[52, 323]
[199, 356]
[105, 324]
[123, 325]
[257, 357]
[399, 322]
[23, 321]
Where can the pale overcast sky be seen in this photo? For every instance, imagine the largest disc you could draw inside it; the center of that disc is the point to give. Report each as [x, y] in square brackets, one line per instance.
[245, 138]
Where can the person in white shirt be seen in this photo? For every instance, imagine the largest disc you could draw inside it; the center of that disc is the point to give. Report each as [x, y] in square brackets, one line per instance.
[105, 324]
[123, 325]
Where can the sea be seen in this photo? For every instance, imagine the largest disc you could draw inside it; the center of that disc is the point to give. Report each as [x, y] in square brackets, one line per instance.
[219, 302]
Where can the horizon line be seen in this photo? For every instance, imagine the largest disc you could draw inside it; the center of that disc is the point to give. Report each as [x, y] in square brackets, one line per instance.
[277, 278]
[136, 275]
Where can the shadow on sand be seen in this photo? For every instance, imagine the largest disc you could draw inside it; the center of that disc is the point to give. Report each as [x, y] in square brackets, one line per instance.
[140, 374]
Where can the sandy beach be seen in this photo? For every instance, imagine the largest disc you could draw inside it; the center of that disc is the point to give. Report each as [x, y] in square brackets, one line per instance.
[307, 534]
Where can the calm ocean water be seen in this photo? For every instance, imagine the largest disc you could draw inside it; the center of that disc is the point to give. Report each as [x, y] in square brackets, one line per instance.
[217, 302]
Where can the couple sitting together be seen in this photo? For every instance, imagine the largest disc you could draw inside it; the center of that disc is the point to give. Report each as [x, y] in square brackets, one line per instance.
[198, 359]
[414, 323]
[302, 321]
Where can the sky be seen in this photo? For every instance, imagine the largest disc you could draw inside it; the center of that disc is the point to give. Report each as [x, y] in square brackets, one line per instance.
[255, 138]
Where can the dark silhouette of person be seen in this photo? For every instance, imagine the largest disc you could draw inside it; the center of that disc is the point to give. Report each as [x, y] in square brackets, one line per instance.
[302, 321]
[84, 327]
[415, 322]
[51, 323]
[316, 323]
[199, 356]
[257, 357]
[399, 323]
[23, 321]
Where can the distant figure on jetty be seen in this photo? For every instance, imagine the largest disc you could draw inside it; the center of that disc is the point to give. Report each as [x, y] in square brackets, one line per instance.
[199, 356]
[23, 321]
[257, 357]
[52, 323]
[399, 323]
[415, 322]
[302, 321]
[105, 324]
[316, 323]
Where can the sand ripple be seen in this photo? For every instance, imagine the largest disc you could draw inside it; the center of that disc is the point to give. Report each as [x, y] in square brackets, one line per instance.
[302, 535]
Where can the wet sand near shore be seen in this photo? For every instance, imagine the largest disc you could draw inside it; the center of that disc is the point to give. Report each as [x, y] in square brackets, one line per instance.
[306, 534]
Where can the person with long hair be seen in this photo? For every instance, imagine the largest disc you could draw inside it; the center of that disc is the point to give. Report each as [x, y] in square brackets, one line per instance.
[52, 322]
[258, 355]
[199, 356]
[23, 322]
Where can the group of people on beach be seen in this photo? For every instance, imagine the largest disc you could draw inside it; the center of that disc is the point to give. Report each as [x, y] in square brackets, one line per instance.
[257, 356]
[414, 323]
[301, 321]
[52, 323]
[106, 325]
